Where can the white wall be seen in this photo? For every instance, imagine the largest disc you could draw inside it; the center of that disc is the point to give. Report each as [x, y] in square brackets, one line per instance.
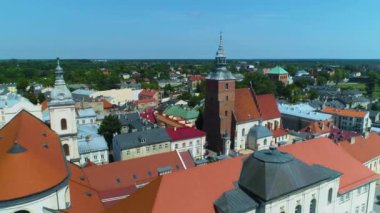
[98, 157]
[194, 145]
[55, 200]
[356, 199]
[8, 113]
[240, 139]
[86, 120]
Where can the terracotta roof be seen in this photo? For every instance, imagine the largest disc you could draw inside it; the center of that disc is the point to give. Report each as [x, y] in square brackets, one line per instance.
[123, 174]
[44, 105]
[148, 92]
[37, 162]
[318, 127]
[268, 107]
[83, 198]
[106, 104]
[279, 132]
[182, 133]
[245, 106]
[345, 112]
[324, 152]
[184, 191]
[148, 100]
[364, 149]
[196, 78]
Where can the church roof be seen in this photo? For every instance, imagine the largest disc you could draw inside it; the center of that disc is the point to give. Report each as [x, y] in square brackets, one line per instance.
[277, 70]
[245, 106]
[259, 132]
[269, 174]
[31, 158]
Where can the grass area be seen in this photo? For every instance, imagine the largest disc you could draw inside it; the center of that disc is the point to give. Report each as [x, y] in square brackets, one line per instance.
[376, 92]
[359, 86]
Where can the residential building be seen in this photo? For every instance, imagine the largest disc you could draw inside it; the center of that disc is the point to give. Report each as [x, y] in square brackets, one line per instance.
[350, 119]
[140, 144]
[298, 116]
[278, 74]
[118, 180]
[308, 177]
[86, 116]
[132, 122]
[149, 94]
[118, 96]
[194, 80]
[186, 113]
[91, 146]
[11, 104]
[8, 88]
[188, 139]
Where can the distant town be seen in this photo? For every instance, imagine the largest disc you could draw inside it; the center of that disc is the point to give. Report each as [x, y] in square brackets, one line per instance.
[216, 135]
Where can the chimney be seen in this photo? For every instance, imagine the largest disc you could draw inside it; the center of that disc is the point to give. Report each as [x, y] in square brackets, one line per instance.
[366, 134]
[352, 140]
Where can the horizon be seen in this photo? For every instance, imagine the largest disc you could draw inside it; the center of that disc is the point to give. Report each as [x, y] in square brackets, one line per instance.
[171, 30]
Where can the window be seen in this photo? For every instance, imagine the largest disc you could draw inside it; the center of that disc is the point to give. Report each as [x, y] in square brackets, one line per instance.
[82, 121]
[138, 150]
[348, 196]
[226, 113]
[128, 152]
[298, 209]
[147, 148]
[91, 120]
[329, 197]
[176, 146]
[226, 86]
[154, 147]
[363, 207]
[63, 124]
[102, 157]
[265, 142]
[183, 145]
[198, 151]
[160, 146]
[166, 145]
[198, 142]
[66, 149]
[243, 132]
[357, 209]
[95, 157]
[341, 199]
[191, 143]
[313, 206]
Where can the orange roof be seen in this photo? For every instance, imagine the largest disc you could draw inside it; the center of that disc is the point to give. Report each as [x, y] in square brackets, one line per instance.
[44, 105]
[193, 190]
[324, 152]
[245, 106]
[83, 198]
[106, 104]
[318, 127]
[36, 165]
[364, 149]
[279, 132]
[345, 112]
[268, 106]
[131, 172]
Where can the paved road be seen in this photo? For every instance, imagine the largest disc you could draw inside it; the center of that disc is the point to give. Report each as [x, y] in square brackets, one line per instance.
[376, 207]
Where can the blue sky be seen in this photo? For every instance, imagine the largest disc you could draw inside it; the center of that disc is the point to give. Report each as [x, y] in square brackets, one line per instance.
[189, 29]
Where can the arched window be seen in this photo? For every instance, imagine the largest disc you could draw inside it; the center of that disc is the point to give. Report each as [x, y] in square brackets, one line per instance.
[313, 206]
[66, 149]
[329, 197]
[243, 132]
[22, 211]
[63, 124]
[298, 209]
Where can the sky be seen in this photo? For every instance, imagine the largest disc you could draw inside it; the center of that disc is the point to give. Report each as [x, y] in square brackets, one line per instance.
[189, 29]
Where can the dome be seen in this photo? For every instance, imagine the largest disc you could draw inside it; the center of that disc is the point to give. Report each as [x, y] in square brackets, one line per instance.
[269, 174]
[257, 132]
[60, 94]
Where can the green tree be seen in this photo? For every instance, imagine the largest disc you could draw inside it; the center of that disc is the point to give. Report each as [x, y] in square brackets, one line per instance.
[313, 95]
[109, 127]
[260, 83]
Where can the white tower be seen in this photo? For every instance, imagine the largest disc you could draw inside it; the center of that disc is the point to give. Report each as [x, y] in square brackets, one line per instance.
[62, 115]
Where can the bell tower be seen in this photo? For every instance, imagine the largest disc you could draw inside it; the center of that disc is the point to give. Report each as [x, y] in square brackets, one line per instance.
[219, 104]
[62, 115]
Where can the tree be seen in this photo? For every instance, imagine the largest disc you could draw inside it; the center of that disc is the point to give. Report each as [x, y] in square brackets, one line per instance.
[313, 95]
[260, 83]
[109, 127]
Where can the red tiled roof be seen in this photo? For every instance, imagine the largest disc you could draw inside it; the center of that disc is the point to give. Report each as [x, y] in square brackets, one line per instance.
[83, 198]
[106, 104]
[182, 133]
[245, 106]
[345, 112]
[364, 149]
[148, 100]
[104, 177]
[194, 190]
[318, 127]
[196, 78]
[324, 152]
[36, 169]
[148, 92]
[148, 114]
[279, 132]
[268, 107]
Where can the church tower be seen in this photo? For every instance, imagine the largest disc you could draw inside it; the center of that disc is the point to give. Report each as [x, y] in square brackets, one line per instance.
[62, 115]
[219, 104]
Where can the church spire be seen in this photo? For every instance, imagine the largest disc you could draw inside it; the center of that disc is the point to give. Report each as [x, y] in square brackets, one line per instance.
[59, 80]
[220, 59]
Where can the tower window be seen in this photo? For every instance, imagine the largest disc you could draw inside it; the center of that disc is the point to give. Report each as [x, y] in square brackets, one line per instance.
[66, 149]
[226, 113]
[63, 124]
[226, 86]
[226, 97]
